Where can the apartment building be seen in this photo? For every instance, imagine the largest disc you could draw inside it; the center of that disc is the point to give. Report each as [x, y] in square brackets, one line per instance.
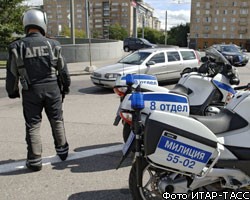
[102, 14]
[216, 21]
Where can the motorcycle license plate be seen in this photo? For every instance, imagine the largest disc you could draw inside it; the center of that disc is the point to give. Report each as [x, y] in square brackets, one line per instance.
[182, 154]
[128, 143]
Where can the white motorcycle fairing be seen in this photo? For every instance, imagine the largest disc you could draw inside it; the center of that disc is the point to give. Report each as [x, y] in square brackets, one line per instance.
[222, 83]
[183, 143]
[211, 147]
[167, 102]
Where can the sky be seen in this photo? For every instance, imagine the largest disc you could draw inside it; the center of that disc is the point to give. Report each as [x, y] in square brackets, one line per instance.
[178, 11]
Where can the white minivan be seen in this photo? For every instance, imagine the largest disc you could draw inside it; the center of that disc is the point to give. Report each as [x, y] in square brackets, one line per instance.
[164, 63]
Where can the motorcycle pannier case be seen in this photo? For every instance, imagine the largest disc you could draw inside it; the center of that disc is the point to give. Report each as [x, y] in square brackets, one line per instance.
[179, 142]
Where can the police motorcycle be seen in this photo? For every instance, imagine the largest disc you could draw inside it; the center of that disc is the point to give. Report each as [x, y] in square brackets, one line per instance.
[182, 157]
[208, 88]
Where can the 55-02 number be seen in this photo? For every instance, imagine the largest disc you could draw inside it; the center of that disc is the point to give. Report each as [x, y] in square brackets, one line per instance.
[177, 159]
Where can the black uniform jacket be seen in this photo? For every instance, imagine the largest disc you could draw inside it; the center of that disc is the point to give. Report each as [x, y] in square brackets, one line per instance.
[37, 59]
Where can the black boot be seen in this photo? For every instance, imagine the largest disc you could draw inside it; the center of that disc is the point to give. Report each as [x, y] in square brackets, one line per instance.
[33, 167]
[62, 151]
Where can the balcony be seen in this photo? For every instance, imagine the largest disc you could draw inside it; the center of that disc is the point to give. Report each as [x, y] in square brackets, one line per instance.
[243, 15]
[242, 23]
[206, 31]
[242, 31]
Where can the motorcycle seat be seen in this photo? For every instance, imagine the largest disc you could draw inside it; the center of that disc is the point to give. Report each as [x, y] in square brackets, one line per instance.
[180, 89]
[222, 122]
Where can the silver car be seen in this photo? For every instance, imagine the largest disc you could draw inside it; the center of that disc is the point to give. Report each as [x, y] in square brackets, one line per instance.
[164, 63]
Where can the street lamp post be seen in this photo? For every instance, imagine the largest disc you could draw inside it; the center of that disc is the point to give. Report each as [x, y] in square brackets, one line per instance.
[166, 25]
[72, 19]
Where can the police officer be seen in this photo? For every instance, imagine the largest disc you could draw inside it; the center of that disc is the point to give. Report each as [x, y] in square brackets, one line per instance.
[38, 63]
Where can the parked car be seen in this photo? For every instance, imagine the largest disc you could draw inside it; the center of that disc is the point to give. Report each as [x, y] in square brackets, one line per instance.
[165, 63]
[133, 44]
[235, 56]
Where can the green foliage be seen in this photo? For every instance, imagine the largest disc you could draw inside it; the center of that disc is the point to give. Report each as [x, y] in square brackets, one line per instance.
[152, 35]
[117, 32]
[66, 31]
[10, 20]
[178, 35]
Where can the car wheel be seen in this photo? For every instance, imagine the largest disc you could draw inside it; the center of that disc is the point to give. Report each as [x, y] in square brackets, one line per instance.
[126, 49]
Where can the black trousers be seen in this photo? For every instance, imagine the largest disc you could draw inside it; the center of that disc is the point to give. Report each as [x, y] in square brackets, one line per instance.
[38, 97]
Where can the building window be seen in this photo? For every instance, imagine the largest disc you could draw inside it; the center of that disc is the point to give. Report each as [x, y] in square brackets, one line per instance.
[233, 20]
[224, 20]
[215, 20]
[224, 28]
[207, 5]
[197, 12]
[225, 12]
[198, 4]
[215, 28]
[244, 4]
[234, 12]
[207, 12]
[234, 3]
[217, 12]
[243, 11]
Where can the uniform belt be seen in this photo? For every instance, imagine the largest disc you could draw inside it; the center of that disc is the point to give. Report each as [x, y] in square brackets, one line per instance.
[45, 85]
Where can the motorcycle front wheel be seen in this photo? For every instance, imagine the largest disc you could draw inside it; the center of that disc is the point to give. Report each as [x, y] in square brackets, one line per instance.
[149, 181]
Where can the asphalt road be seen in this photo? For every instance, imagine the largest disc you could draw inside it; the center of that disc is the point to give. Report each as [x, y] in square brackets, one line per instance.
[90, 172]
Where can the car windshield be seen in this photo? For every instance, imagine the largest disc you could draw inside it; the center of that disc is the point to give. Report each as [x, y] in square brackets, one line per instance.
[229, 49]
[135, 58]
[145, 41]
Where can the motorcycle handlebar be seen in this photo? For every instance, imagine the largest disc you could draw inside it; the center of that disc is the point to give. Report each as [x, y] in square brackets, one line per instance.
[243, 87]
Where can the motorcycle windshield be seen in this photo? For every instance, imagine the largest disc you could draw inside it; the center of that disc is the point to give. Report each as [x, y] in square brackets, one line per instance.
[215, 54]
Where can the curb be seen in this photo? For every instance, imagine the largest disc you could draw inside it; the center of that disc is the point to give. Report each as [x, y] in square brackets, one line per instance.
[71, 74]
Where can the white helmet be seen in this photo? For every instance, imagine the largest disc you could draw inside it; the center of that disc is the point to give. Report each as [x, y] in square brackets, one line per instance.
[35, 18]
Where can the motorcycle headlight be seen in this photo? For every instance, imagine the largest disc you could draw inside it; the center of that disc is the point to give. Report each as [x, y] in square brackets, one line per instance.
[111, 75]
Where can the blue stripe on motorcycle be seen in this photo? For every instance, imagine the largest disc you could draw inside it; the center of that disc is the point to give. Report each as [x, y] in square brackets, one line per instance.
[224, 86]
[164, 97]
[184, 150]
[141, 76]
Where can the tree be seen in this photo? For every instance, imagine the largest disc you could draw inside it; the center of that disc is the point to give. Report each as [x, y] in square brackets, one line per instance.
[178, 35]
[117, 32]
[78, 33]
[10, 20]
[152, 35]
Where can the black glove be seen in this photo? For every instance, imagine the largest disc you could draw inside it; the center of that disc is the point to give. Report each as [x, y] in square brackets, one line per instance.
[14, 95]
[66, 90]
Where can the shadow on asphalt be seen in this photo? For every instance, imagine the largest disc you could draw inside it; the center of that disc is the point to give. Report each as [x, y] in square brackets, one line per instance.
[79, 149]
[97, 163]
[121, 194]
[95, 90]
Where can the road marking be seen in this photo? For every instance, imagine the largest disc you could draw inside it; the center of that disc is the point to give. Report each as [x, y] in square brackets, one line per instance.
[14, 166]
